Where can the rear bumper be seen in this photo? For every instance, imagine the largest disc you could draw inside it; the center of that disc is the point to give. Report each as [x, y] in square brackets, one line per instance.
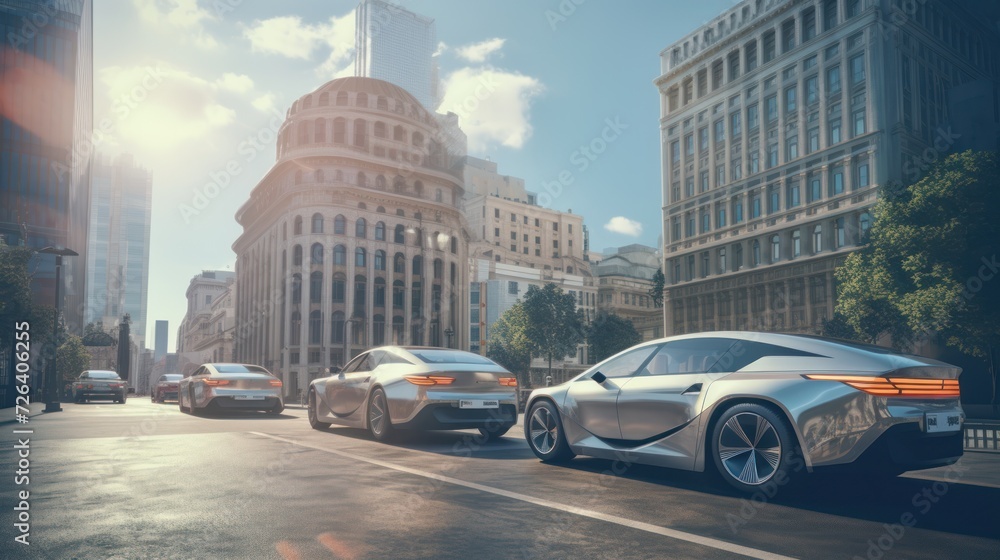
[90, 394]
[167, 395]
[905, 447]
[231, 403]
[447, 416]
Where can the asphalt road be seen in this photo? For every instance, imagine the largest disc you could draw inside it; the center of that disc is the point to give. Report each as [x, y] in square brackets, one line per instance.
[142, 480]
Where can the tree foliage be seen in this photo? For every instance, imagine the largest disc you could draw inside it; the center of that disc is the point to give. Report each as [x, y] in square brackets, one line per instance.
[554, 326]
[508, 344]
[611, 334]
[16, 304]
[72, 358]
[659, 283]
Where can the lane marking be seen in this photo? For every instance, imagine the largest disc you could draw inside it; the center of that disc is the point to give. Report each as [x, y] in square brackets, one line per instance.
[641, 526]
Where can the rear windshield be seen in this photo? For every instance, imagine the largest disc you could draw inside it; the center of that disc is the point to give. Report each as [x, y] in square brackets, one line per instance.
[239, 368]
[171, 377]
[450, 357]
[102, 375]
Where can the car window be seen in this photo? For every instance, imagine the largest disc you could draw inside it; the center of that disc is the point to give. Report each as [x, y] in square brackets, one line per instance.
[355, 364]
[450, 357]
[103, 375]
[626, 364]
[745, 352]
[694, 355]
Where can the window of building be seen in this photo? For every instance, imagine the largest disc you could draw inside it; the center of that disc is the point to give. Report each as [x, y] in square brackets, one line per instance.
[817, 239]
[836, 180]
[296, 258]
[737, 257]
[769, 50]
[675, 152]
[834, 127]
[840, 234]
[338, 289]
[720, 216]
[512, 288]
[808, 24]
[857, 69]
[772, 108]
[755, 253]
[773, 200]
[793, 198]
[703, 139]
[862, 179]
[340, 255]
[737, 210]
[734, 125]
[688, 147]
[790, 100]
[787, 35]
[706, 221]
[775, 248]
[859, 122]
[720, 132]
[339, 225]
[791, 147]
[796, 243]
[704, 181]
[361, 228]
[753, 117]
[833, 80]
[812, 140]
[772, 155]
[755, 207]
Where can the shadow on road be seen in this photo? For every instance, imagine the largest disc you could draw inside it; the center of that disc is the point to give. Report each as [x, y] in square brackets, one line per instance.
[445, 442]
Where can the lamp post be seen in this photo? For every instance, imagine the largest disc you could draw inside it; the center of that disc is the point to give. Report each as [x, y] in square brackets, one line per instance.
[449, 332]
[52, 378]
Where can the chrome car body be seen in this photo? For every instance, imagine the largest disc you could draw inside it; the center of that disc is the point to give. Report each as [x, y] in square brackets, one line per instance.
[166, 387]
[230, 386]
[395, 387]
[98, 384]
[678, 402]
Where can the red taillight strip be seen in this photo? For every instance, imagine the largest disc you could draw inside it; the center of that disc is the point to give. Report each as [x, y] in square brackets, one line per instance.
[429, 379]
[508, 381]
[216, 382]
[895, 386]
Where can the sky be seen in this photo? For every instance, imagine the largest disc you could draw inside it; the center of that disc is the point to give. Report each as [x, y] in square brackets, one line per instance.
[196, 89]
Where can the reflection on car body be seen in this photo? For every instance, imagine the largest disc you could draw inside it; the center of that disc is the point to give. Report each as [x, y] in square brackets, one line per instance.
[230, 386]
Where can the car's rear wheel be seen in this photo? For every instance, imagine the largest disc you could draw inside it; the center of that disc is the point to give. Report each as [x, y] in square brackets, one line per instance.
[491, 433]
[314, 412]
[544, 431]
[278, 408]
[753, 446]
[379, 423]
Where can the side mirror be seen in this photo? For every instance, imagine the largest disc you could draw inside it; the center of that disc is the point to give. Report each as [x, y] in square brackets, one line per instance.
[333, 370]
[599, 377]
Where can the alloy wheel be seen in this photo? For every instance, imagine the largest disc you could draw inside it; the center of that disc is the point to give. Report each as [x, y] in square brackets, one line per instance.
[544, 430]
[749, 448]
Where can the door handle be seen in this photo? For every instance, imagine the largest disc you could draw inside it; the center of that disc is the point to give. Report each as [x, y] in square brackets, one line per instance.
[692, 390]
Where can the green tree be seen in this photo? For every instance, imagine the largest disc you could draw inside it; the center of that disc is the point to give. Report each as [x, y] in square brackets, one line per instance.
[72, 358]
[508, 344]
[611, 334]
[930, 265]
[659, 283]
[554, 327]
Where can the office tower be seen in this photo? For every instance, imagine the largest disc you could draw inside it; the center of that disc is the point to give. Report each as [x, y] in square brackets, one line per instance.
[397, 45]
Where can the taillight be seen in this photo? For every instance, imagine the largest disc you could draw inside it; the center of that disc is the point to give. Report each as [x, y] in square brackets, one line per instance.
[216, 382]
[275, 383]
[896, 386]
[429, 379]
[508, 381]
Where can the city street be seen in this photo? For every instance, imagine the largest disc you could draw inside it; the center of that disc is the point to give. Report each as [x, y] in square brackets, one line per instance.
[142, 480]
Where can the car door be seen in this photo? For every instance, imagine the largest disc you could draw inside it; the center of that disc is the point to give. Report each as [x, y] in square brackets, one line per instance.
[593, 404]
[197, 388]
[663, 397]
[345, 393]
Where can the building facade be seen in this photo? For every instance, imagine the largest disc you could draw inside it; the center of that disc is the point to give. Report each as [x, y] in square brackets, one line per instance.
[355, 236]
[202, 291]
[398, 46]
[121, 195]
[215, 344]
[780, 119]
[46, 139]
[624, 277]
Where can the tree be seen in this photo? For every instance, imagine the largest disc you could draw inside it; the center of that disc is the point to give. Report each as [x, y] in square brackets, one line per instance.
[554, 327]
[931, 260]
[72, 358]
[659, 283]
[508, 344]
[611, 334]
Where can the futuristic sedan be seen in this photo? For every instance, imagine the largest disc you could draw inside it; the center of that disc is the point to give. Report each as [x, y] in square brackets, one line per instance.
[96, 384]
[166, 387]
[230, 387]
[395, 388]
[755, 407]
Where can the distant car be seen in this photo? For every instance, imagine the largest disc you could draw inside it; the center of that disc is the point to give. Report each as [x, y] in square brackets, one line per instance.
[756, 407]
[166, 387]
[232, 387]
[96, 384]
[416, 388]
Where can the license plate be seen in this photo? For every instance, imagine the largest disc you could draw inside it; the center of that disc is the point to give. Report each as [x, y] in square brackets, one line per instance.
[249, 397]
[942, 422]
[475, 403]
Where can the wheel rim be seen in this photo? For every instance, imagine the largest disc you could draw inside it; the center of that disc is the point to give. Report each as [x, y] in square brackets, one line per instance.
[376, 415]
[313, 416]
[544, 430]
[749, 448]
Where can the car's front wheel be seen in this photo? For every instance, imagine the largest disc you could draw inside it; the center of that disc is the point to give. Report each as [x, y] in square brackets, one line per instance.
[314, 412]
[544, 431]
[753, 446]
[379, 423]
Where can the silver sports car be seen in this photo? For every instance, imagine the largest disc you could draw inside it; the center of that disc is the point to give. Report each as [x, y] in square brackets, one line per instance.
[756, 407]
[230, 386]
[393, 387]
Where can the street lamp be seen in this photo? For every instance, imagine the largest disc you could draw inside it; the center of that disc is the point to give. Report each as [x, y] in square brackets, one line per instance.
[52, 381]
[449, 332]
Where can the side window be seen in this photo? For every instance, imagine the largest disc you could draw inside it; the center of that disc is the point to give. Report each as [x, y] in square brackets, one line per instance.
[626, 364]
[375, 358]
[354, 364]
[697, 355]
[745, 352]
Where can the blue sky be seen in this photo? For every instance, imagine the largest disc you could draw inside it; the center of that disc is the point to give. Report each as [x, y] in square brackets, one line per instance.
[186, 85]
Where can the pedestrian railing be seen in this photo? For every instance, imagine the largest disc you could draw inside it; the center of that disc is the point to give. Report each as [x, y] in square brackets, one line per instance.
[982, 437]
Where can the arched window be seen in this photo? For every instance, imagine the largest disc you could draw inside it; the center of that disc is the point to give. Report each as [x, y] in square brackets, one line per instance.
[737, 257]
[454, 244]
[316, 327]
[296, 288]
[398, 330]
[340, 130]
[399, 263]
[381, 103]
[297, 255]
[796, 243]
[379, 260]
[360, 293]
[379, 129]
[340, 225]
[419, 235]
[419, 187]
[418, 265]
[865, 223]
[839, 232]
[453, 271]
[398, 295]
[378, 330]
[380, 182]
[380, 209]
[297, 228]
[438, 269]
[341, 98]
[399, 236]
[380, 230]
[316, 253]
[315, 287]
[303, 132]
[337, 328]
[359, 257]
[319, 134]
[296, 335]
[307, 102]
[775, 248]
[340, 255]
[361, 228]
[324, 99]
[817, 238]
[338, 289]
[399, 184]
[317, 223]
[360, 132]
[362, 206]
[756, 252]
[362, 180]
[418, 139]
[400, 212]
[399, 133]
[361, 100]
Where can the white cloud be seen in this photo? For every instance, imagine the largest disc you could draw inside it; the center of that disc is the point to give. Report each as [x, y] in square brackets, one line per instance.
[623, 225]
[493, 105]
[182, 16]
[289, 36]
[265, 103]
[478, 52]
[236, 83]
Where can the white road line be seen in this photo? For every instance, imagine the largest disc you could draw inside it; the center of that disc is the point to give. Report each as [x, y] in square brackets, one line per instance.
[647, 527]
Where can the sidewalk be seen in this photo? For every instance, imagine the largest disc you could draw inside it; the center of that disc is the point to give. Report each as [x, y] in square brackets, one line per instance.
[9, 415]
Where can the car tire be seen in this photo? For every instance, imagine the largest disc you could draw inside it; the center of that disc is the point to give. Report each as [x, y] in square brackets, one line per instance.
[276, 409]
[313, 412]
[544, 431]
[379, 423]
[496, 432]
[753, 447]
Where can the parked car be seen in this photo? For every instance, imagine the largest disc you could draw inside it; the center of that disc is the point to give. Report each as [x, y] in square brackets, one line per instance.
[755, 407]
[416, 388]
[96, 384]
[230, 386]
[166, 387]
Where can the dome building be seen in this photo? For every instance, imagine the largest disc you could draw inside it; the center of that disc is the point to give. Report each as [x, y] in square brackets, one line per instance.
[354, 238]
